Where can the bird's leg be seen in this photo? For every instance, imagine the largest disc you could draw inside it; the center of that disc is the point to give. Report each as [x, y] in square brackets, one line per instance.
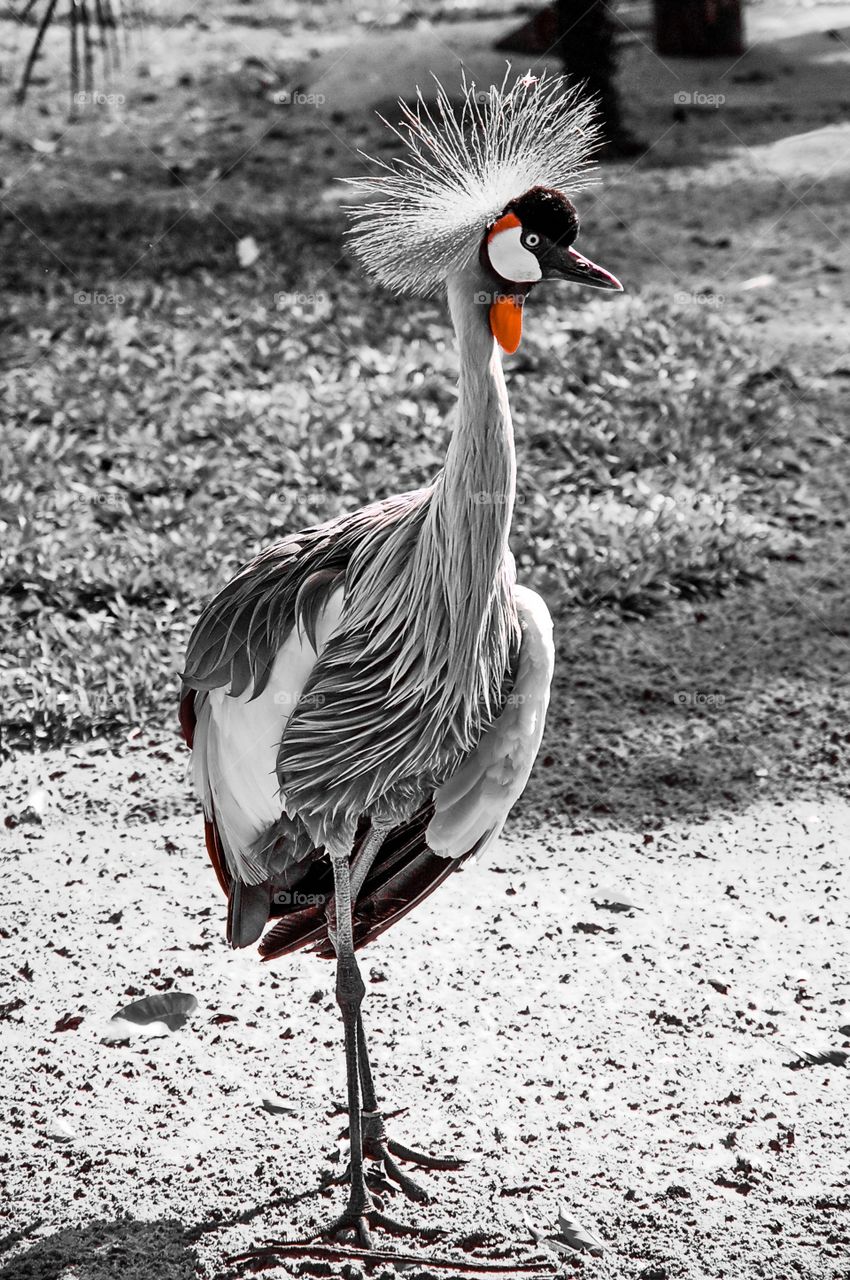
[349, 996]
[376, 1144]
[358, 870]
[361, 1211]
[361, 863]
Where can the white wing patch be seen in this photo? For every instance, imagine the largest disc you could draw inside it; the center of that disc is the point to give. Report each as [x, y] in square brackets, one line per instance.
[234, 759]
[475, 802]
[510, 259]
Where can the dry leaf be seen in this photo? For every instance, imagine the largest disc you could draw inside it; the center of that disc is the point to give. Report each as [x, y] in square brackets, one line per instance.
[277, 1107]
[758, 282]
[577, 1236]
[171, 1007]
[570, 1237]
[149, 1018]
[819, 1058]
[120, 1031]
[68, 1022]
[614, 900]
[59, 1130]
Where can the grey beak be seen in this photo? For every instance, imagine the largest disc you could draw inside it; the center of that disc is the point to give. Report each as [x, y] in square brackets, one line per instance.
[571, 265]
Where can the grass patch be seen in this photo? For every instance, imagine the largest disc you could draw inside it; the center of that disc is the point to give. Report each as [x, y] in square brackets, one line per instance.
[155, 445]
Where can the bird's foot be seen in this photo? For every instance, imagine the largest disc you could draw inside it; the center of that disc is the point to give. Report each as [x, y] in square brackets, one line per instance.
[384, 1177]
[361, 1221]
[378, 1147]
[352, 1230]
[376, 1144]
[364, 1213]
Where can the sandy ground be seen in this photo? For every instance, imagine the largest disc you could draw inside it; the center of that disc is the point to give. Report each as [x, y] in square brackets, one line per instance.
[615, 1023]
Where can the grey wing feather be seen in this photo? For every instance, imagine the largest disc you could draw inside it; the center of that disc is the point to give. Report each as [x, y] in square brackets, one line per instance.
[248, 661]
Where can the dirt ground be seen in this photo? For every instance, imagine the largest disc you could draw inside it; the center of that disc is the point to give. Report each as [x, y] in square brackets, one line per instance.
[614, 1023]
[646, 1068]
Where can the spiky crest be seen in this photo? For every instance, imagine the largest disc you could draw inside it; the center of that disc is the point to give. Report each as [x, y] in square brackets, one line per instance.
[428, 211]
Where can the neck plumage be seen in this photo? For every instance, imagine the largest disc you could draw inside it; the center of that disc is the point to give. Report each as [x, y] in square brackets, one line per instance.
[465, 537]
[474, 495]
[443, 581]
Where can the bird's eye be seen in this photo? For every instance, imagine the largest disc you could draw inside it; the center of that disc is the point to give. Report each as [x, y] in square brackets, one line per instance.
[532, 239]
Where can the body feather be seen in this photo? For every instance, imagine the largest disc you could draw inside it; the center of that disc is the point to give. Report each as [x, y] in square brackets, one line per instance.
[361, 672]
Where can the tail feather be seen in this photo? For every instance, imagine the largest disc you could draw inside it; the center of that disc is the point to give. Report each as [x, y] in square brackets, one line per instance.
[188, 719]
[404, 873]
[216, 855]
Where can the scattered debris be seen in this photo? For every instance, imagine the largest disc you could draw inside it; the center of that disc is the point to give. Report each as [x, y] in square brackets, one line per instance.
[277, 1107]
[570, 1237]
[153, 1016]
[58, 1130]
[722, 987]
[247, 251]
[68, 1022]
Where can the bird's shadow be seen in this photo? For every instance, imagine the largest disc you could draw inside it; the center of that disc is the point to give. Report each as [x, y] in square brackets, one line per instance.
[107, 1250]
[123, 1248]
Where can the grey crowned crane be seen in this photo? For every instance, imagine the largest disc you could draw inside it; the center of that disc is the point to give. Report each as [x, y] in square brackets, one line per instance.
[365, 699]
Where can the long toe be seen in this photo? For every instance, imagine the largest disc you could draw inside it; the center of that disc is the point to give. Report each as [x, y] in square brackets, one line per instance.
[361, 1224]
[423, 1159]
[411, 1189]
[363, 1234]
[402, 1228]
[377, 1143]
[348, 1223]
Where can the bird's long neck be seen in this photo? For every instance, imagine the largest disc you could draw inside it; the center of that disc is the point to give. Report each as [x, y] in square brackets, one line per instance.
[474, 496]
[442, 583]
[463, 566]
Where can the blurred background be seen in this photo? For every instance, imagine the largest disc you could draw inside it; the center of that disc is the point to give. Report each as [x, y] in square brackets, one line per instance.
[193, 365]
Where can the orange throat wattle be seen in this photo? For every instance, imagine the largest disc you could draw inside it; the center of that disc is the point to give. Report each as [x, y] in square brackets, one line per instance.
[506, 321]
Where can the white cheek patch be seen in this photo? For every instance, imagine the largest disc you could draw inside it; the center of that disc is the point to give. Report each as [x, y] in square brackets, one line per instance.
[510, 259]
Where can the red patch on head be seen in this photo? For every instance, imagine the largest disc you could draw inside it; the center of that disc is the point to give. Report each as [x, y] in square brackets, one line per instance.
[504, 223]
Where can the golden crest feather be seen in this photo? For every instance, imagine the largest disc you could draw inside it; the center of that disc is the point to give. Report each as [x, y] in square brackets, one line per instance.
[428, 211]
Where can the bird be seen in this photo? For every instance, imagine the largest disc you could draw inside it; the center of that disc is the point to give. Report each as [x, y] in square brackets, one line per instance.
[365, 699]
